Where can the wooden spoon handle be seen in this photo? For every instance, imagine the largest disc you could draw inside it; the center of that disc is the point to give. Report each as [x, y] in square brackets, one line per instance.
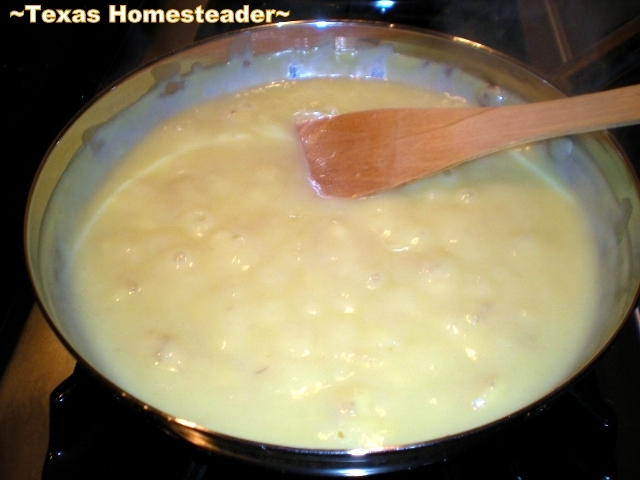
[517, 124]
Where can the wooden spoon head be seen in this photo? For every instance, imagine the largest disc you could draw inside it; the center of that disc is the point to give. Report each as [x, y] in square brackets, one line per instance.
[333, 147]
[362, 153]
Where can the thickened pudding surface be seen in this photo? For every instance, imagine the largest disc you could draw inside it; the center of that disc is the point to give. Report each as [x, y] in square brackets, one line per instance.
[216, 285]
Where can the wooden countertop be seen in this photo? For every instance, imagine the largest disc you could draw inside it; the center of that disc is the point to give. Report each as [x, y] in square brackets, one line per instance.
[39, 363]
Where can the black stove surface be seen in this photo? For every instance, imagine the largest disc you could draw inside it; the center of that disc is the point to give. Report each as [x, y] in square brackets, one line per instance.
[591, 431]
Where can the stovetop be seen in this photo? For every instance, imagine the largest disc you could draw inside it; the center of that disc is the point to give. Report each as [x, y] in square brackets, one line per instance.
[592, 431]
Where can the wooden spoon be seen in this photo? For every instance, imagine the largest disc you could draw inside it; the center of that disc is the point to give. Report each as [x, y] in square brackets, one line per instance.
[366, 152]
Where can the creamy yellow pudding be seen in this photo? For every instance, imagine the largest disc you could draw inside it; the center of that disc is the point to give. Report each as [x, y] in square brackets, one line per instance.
[213, 283]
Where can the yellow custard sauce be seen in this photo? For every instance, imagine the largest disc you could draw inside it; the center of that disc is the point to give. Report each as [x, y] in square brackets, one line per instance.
[214, 284]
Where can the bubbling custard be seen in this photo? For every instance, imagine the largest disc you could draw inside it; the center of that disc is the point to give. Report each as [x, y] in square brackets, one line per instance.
[216, 285]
